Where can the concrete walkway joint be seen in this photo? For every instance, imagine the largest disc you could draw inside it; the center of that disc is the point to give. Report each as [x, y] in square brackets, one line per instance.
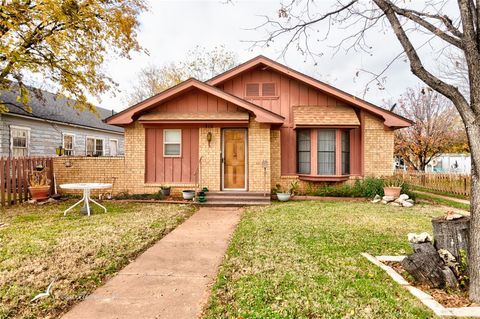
[171, 279]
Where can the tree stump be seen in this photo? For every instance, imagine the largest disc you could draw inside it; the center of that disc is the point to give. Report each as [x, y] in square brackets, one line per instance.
[426, 266]
[452, 235]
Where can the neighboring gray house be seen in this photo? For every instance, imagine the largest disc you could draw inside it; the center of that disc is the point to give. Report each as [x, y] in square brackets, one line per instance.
[54, 123]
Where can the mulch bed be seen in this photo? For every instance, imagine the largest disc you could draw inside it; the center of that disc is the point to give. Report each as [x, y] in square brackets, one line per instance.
[447, 298]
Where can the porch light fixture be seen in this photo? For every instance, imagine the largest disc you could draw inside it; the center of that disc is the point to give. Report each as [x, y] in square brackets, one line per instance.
[209, 138]
[60, 151]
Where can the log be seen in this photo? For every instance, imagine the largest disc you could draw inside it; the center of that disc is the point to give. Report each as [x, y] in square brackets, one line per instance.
[452, 235]
[426, 266]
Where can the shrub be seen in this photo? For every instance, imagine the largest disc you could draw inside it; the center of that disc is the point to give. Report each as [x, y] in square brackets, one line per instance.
[368, 187]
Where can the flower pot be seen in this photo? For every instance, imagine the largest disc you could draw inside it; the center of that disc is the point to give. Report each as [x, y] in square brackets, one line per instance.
[283, 197]
[392, 191]
[188, 194]
[39, 192]
[165, 191]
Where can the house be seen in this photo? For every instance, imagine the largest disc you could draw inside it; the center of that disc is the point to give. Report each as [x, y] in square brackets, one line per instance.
[255, 126]
[451, 163]
[52, 123]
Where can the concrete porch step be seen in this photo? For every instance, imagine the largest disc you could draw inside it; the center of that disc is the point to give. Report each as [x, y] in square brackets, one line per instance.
[233, 203]
[236, 199]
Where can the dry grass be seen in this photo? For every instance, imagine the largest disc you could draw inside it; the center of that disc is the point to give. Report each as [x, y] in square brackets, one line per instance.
[302, 260]
[38, 245]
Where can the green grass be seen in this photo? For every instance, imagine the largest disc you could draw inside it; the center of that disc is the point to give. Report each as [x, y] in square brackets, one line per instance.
[302, 260]
[39, 245]
[443, 201]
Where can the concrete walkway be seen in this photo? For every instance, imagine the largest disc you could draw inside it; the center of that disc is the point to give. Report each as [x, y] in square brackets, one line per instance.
[454, 199]
[171, 279]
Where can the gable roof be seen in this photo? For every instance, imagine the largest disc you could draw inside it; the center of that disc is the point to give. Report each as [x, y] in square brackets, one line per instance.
[51, 107]
[127, 115]
[391, 119]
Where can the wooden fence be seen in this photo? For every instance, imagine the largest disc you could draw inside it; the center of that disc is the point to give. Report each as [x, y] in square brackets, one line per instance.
[14, 177]
[441, 182]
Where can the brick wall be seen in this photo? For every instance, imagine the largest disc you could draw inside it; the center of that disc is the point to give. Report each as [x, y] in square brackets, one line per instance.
[378, 147]
[210, 158]
[258, 151]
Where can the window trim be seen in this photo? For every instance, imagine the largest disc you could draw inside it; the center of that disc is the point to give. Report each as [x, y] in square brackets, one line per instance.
[169, 143]
[260, 91]
[314, 174]
[23, 128]
[110, 149]
[73, 142]
[95, 145]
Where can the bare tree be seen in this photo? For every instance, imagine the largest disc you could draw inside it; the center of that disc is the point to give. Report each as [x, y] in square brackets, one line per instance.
[435, 129]
[438, 24]
[200, 64]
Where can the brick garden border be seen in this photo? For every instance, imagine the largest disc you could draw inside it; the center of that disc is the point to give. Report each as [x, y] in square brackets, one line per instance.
[425, 298]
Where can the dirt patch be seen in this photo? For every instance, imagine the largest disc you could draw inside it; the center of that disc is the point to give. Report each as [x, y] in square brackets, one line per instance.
[446, 297]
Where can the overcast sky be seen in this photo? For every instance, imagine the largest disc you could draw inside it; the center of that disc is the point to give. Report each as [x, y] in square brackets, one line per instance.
[171, 28]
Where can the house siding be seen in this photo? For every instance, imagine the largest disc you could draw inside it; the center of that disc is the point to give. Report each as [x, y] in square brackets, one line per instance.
[292, 93]
[46, 137]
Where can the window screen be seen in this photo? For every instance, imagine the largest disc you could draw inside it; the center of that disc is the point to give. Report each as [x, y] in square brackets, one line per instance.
[303, 151]
[172, 141]
[326, 152]
[19, 142]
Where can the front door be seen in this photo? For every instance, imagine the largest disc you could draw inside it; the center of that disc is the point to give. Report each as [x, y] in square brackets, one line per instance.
[234, 159]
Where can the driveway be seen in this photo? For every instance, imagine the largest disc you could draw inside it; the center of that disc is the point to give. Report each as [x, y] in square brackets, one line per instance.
[171, 279]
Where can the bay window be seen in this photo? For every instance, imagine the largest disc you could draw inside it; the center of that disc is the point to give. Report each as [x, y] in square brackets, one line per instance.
[323, 152]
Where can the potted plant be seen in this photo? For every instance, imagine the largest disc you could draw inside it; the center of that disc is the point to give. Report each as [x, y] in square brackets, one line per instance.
[284, 195]
[392, 187]
[165, 190]
[188, 194]
[39, 184]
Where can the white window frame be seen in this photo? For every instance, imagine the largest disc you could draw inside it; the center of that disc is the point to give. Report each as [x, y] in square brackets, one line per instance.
[73, 143]
[109, 148]
[165, 143]
[23, 128]
[94, 138]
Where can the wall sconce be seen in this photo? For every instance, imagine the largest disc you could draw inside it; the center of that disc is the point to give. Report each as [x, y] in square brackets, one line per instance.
[209, 138]
[68, 163]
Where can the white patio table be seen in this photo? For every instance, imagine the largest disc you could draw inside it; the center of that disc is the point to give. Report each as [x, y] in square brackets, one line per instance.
[86, 187]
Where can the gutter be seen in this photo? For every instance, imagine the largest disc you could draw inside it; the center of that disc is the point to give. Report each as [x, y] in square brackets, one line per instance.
[62, 123]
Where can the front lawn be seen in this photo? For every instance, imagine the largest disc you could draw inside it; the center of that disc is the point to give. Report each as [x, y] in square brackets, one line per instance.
[302, 260]
[39, 245]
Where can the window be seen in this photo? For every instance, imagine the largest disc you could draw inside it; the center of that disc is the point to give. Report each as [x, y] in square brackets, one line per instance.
[20, 137]
[94, 146]
[303, 151]
[68, 144]
[113, 147]
[172, 142]
[326, 152]
[267, 90]
[345, 152]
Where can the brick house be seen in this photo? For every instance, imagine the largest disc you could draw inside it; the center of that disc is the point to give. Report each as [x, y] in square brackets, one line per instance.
[255, 126]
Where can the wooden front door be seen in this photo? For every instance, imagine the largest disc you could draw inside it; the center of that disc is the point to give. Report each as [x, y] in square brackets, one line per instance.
[234, 158]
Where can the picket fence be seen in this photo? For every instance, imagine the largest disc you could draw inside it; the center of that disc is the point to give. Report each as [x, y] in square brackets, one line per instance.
[442, 182]
[14, 174]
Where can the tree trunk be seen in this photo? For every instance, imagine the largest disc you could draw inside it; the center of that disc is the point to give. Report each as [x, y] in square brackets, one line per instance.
[452, 235]
[474, 240]
[426, 266]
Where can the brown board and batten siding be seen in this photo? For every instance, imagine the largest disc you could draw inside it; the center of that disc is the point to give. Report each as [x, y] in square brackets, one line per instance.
[290, 93]
[161, 169]
[182, 169]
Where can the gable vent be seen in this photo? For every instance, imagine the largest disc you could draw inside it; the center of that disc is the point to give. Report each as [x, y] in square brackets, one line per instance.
[252, 89]
[268, 89]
